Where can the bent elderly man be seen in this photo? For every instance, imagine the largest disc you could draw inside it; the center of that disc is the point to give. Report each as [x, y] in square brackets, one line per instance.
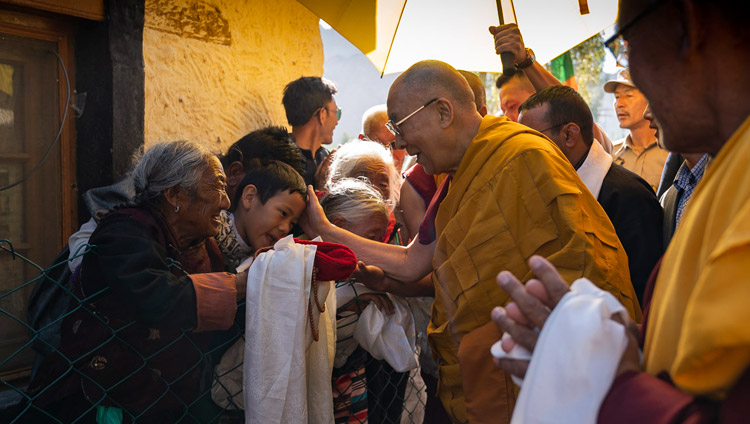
[512, 195]
[695, 366]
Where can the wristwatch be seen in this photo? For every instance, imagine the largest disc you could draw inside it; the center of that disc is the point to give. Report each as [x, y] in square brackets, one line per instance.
[530, 59]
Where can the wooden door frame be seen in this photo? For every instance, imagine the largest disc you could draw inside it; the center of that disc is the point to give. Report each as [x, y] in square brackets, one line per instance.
[59, 31]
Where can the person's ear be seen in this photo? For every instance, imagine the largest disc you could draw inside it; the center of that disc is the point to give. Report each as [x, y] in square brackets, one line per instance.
[249, 194]
[445, 109]
[571, 132]
[338, 221]
[174, 197]
[235, 172]
[693, 27]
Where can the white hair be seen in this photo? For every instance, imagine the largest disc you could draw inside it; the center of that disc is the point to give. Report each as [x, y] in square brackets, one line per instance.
[353, 200]
[168, 164]
[352, 155]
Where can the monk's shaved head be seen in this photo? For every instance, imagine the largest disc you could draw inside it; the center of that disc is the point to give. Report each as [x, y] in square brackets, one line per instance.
[431, 78]
[434, 115]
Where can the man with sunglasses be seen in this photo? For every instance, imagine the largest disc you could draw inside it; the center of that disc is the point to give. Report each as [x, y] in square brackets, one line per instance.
[312, 112]
[511, 194]
[690, 59]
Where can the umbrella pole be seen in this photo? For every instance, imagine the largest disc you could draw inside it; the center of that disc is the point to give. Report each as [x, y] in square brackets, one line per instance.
[509, 67]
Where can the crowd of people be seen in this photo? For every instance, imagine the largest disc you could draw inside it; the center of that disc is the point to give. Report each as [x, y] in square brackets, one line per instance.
[520, 268]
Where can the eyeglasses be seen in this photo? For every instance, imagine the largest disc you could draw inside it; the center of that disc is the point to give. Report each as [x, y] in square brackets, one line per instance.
[338, 112]
[393, 127]
[618, 45]
[553, 127]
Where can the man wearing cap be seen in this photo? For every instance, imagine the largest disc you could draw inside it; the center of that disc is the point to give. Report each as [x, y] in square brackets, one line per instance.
[638, 151]
[312, 112]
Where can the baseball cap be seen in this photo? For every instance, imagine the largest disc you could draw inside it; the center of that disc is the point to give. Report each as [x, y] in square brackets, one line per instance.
[623, 77]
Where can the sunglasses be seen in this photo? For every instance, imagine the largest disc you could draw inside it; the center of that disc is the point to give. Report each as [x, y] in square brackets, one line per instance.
[338, 112]
[394, 128]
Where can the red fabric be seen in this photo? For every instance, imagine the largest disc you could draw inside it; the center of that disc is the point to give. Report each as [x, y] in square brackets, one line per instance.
[647, 294]
[422, 182]
[334, 261]
[427, 232]
[638, 397]
[389, 229]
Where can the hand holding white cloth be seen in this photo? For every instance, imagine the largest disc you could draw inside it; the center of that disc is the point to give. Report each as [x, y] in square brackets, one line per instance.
[574, 361]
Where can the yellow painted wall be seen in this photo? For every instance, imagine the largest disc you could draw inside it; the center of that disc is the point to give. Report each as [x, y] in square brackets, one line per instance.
[215, 69]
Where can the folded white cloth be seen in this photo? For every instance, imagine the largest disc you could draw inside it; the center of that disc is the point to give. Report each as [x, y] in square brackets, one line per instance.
[390, 337]
[574, 361]
[287, 375]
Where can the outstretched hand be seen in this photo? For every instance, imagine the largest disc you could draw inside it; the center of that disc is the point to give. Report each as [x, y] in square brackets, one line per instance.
[508, 39]
[314, 219]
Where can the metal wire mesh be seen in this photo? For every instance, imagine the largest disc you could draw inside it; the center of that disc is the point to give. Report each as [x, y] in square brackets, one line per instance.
[120, 382]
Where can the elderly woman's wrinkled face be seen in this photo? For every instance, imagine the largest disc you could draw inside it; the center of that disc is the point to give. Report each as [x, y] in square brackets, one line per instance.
[377, 173]
[372, 228]
[201, 215]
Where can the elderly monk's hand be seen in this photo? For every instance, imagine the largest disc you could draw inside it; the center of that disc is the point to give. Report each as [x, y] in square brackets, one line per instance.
[508, 39]
[314, 219]
[531, 306]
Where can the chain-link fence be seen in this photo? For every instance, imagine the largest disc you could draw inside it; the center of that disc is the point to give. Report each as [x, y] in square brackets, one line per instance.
[119, 371]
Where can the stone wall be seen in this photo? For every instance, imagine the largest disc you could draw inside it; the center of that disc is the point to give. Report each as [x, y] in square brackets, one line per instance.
[215, 69]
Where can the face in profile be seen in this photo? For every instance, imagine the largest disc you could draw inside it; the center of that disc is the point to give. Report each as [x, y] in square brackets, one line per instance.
[372, 228]
[330, 122]
[201, 215]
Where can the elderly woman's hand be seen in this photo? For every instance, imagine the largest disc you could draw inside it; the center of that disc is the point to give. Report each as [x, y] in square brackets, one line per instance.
[371, 276]
[240, 282]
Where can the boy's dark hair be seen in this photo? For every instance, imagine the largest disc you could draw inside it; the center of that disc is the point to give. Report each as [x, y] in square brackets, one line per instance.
[269, 143]
[304, 96]
[565, 105]
[270, 178]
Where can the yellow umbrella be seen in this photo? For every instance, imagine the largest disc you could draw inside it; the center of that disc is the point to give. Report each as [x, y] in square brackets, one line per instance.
[394, 34]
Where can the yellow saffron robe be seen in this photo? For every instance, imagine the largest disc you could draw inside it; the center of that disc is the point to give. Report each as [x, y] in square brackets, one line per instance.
[698, 326]
[514, 195]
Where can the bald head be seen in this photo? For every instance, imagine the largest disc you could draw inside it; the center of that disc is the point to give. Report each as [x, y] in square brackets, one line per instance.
[477, 87]
[434, 115]
[432, 78]
[373, 124]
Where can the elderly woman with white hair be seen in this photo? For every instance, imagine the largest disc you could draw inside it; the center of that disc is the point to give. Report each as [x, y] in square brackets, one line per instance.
[137, 347]
[371, 161]
[365, 387]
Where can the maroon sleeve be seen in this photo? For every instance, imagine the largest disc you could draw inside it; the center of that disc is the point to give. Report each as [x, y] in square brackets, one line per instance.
[637, 397]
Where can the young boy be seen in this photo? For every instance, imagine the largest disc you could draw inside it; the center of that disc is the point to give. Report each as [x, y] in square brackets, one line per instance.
[267, 203]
